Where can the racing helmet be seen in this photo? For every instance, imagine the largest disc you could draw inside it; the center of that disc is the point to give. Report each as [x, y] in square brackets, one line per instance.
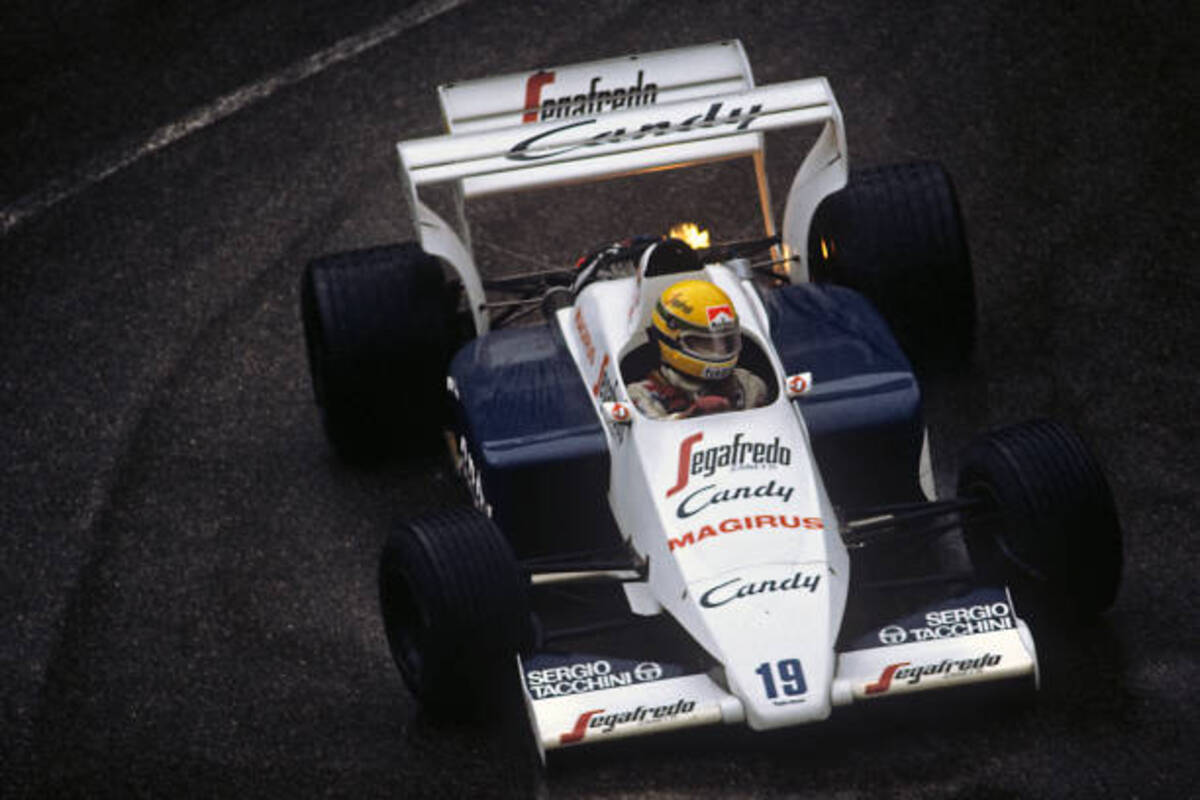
[697, 330]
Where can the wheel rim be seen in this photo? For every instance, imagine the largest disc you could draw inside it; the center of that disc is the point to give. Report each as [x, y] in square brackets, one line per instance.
[993, 541]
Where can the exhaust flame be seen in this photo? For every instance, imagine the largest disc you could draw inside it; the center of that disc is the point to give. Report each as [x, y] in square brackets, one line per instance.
[695, 236]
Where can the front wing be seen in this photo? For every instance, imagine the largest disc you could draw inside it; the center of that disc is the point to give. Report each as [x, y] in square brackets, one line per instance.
[973, 639]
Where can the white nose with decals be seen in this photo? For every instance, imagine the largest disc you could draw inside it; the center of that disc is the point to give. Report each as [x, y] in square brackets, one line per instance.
[750, 529]
[773, 624]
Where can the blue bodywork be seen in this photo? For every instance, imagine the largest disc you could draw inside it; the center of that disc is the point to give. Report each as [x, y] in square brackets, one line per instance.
[864, 408]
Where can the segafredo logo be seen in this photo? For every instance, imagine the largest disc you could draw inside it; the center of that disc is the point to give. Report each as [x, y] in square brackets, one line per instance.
[596, 721]
[738, 454]
[548, 144]
[597, 101]
[904, 673]
[736, 589]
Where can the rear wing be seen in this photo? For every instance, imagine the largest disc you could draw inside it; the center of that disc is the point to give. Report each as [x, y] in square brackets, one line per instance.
[613, 118]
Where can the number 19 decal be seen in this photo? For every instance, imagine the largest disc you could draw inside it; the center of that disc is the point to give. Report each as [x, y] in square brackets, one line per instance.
[790, 675]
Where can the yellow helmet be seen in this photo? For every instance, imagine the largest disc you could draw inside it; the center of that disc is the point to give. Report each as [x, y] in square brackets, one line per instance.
[697, 330]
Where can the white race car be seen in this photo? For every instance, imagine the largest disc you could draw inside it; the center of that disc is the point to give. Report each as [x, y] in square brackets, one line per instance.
[754, 567]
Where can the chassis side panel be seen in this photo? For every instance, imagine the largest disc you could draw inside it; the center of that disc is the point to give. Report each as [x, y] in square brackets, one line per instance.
[529, 442]
[864, 409]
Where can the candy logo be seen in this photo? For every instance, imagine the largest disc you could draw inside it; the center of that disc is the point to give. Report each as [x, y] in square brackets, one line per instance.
[725, 593]
[551, 143]
[709, 495]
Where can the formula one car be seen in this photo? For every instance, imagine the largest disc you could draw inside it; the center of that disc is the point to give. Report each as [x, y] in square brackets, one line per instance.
[758, 567]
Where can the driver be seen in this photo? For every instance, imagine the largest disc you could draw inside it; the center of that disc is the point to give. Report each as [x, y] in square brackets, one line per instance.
[699, 339]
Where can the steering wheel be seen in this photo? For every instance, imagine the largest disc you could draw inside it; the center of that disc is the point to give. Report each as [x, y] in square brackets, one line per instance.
[615, 260]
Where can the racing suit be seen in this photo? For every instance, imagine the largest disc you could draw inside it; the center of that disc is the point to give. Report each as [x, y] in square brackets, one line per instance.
[667, 394]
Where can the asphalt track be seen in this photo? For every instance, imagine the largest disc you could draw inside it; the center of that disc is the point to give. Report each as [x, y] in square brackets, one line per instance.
[189, 602]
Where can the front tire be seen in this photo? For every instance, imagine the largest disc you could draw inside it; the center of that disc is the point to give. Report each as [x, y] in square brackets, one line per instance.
[456, 610]
[1054, 537]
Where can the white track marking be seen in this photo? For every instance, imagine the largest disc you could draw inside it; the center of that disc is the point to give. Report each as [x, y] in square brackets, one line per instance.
[99, 169]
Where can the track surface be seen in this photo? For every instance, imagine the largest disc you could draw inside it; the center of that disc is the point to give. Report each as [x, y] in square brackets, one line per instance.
[189, 602]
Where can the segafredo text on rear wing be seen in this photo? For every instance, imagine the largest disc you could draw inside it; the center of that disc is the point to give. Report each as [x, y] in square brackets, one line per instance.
[595, 87]
[618, 117]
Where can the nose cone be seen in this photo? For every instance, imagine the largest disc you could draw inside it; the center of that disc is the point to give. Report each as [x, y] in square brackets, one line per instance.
[773, 626]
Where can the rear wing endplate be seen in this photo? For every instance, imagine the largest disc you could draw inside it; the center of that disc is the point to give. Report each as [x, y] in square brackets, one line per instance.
[613, 118]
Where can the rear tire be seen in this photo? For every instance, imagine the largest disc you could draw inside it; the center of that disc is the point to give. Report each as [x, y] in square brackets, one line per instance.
[1056, 541]
[456, 610]
[894, 234]
[378, 329]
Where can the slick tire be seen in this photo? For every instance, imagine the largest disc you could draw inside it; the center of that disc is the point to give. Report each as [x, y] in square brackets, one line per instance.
[456, 610]
[895, 235]
[378, 330]
[1048, 526]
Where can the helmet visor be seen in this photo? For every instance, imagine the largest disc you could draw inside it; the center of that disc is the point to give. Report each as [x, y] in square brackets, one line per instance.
[711, 346]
